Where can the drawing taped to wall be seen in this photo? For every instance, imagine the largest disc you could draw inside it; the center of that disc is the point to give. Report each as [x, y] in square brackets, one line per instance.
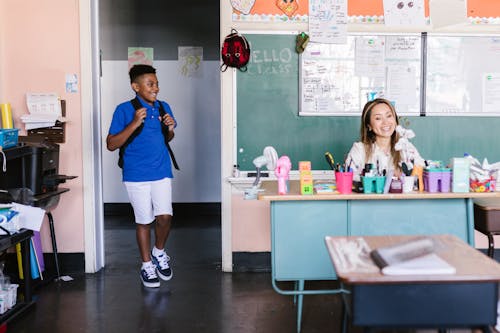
[190, 61]
[140, 56]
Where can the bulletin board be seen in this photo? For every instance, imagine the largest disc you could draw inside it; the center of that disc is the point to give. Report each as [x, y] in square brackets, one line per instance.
[264, 10]
[483, 8]
[338, 79]
[267, 11]
[463, 75]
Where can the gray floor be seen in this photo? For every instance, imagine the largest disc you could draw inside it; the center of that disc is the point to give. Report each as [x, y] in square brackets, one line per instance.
[199, 298]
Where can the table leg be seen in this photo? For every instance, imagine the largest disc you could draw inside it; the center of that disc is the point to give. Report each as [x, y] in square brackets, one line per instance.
[491, 245]
[300, 301]
[54, 243]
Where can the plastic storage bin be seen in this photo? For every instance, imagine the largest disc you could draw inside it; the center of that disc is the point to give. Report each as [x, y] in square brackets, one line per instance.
[373, 184]
[8, 137]
[437, 180]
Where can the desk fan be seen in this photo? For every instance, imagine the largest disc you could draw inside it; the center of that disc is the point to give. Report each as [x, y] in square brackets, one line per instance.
[268, 158]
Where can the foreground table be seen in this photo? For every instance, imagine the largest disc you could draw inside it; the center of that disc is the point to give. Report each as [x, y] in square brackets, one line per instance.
[467, 298]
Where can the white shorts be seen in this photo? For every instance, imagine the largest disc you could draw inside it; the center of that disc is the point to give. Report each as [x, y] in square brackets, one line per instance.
[150, 199]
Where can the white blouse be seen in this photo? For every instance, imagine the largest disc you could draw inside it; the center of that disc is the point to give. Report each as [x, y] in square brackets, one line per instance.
[356, 159]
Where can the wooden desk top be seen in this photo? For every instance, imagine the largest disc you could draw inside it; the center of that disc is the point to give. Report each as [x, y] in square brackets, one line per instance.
[270, 193]
[471, 265]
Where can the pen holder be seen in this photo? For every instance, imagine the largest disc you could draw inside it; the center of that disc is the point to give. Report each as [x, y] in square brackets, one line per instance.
[373, 184]
[344, 182]
[408, 183]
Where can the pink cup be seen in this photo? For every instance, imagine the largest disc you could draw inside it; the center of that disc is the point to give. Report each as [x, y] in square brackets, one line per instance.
[344, 182]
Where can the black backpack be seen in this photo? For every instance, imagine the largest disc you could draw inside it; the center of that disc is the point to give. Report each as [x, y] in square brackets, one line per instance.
[164, 129]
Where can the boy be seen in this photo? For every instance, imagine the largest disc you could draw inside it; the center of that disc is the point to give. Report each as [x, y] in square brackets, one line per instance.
[147, 171]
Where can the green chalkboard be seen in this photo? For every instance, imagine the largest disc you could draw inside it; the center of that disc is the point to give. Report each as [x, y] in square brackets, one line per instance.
[267, 100]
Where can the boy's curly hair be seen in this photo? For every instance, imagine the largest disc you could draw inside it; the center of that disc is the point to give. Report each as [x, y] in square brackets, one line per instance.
[138, 70]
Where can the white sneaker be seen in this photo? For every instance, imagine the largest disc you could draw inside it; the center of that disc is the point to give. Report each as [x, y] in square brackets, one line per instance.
[148, 277]
[162, 267]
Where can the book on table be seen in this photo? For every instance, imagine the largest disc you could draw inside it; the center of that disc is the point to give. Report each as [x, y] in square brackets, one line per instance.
[413, 257]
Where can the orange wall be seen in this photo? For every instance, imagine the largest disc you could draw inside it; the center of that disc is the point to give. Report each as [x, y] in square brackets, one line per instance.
[39, 46]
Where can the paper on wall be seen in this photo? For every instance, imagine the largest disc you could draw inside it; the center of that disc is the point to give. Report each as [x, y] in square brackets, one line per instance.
[44, 109]
[447, 12]
[404, 12]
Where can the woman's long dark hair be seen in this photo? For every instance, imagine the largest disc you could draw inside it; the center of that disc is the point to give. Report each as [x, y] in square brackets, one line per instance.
[368, 136]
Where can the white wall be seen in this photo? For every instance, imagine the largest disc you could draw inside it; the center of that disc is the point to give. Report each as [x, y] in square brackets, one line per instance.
[196, 106]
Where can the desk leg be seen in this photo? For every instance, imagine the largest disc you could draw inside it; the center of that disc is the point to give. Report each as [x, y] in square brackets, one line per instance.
[300, 301]
[54, 243]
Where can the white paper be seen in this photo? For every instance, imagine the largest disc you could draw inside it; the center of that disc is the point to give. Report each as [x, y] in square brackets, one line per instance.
[447, 12]
[402, 47]
[43, 103]
[491, 92]
[404, 12]
[190, 61]
[45, 110]
[369, 57]
[401, 84]
[423, 265]
[29, 217]
[328, 21]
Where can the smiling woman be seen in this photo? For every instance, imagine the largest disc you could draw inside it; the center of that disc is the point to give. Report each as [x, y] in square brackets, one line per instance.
[378, 137]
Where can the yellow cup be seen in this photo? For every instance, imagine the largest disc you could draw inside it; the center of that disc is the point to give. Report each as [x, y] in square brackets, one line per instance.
[6, 115]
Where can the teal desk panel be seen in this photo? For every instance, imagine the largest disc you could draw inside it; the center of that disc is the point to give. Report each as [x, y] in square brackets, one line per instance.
[410, 217]
[298, 230]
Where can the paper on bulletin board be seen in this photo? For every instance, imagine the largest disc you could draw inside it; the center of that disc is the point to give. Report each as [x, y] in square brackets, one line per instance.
[491, 92]
[404, 13]
[402, 47]
[369, 57]
[328, 21]
[447, 12]
[270, 11]
[401, 84]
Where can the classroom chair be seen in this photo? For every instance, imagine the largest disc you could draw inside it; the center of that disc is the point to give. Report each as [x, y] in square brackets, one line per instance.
[487, 220]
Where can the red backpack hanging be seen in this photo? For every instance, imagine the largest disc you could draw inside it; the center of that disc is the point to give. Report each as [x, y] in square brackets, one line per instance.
[235, 52]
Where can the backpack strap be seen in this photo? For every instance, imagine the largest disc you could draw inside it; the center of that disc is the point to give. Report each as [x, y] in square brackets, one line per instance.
[137, 105]
[164, 130]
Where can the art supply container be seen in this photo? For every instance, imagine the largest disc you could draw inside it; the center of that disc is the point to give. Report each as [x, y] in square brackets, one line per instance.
[373, 184]
[6, 116]
[408, 183]
[487, 185]
[437, 180]
[344, 182]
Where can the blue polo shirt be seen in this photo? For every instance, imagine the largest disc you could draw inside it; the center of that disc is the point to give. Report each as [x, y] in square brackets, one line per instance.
[146, 158]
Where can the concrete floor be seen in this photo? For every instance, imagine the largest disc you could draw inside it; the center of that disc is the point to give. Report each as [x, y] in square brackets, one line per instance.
[199, 298]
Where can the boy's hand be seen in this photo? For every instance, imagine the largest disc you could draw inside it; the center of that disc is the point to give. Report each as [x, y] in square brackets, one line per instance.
[139, 116]
[168, 121]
